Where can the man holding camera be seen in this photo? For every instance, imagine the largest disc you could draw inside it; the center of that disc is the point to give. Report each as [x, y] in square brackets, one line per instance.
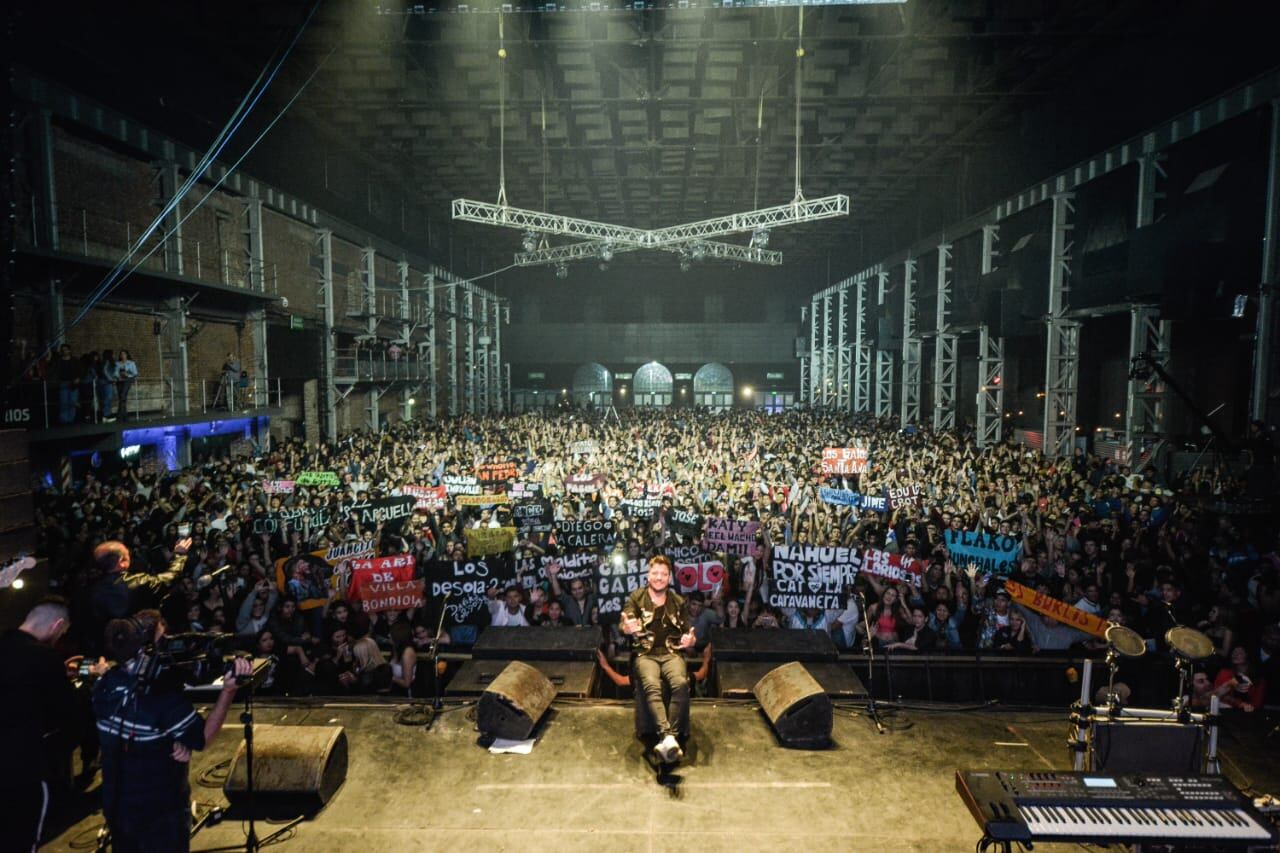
[148, 730]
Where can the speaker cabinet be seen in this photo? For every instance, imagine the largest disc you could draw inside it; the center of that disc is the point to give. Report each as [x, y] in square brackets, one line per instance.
[514, 702]
[796, 705]
[306, 764]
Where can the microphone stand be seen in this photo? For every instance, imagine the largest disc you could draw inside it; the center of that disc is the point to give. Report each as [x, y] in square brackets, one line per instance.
[437, 703]
[872, 710]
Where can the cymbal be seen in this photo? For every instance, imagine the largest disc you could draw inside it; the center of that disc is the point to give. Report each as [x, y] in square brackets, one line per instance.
[1126, 641]
[1188, 643]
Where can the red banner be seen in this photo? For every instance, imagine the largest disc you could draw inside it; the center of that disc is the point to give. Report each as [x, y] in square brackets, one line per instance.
[398, 595]
[379, 570]
[894, 567]
[496, 472]
[845, 460]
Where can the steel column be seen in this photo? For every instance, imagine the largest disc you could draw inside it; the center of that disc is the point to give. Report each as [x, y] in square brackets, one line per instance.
[369, 296]
[990, 388]
[171, 224]
[990, 236]
[1264, 336]
[254, 253]
[469, 349]
[451, 348]
[174, 350]
[911, 347]
[1062, 357]
[46, 186]
[826, 389]
[495, 354]
[1146, 400]
[328, 390]
[815, 358]
[1149, 170]
[481, 365]
[843, 350]
[861, 350]
[944, 357]
[433, 368]
[408, 389]
[884, 358]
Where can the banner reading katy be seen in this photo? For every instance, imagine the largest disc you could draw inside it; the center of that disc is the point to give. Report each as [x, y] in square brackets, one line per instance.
[730, 536]
[706, 576]
[845, 460]
[577, 535]
[378, 570]
[809, 576]
[460, 484]
[429, 498]
[489, 540]
[584, 484]
[992, 552]
[465, 581]
[894, 567]
[615, 582]
[496, 472]
[317, 478]
[1070, 616]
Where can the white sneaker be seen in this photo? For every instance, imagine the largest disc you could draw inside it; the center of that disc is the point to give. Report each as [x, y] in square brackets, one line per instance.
[668, 750]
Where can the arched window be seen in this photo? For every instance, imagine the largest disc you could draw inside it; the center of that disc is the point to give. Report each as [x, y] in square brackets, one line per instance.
[713, 387]
[592, 385]
[653, 385]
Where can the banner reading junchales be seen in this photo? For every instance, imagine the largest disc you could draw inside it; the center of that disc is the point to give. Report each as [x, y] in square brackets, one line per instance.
[810, 576]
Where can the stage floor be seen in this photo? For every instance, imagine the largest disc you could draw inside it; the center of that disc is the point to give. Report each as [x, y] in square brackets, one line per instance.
[588, 786]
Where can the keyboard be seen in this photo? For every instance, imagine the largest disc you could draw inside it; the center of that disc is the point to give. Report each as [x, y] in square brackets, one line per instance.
[1100, 808]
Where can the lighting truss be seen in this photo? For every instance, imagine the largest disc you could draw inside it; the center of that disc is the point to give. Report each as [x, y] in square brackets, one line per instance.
[591, 249]
[673, 238]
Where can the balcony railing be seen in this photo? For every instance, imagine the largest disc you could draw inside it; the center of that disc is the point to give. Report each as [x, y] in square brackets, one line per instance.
[53, 404]
[365, 365]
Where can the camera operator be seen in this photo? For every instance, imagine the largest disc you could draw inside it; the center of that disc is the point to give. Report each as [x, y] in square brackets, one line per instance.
[40, 721]
[148, 730]
[121, 592]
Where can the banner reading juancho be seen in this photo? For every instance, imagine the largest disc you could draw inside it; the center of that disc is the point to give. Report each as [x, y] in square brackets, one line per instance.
[992, 552]
[809, 576]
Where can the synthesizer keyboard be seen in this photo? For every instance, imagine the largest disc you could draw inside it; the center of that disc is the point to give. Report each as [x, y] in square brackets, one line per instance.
[1099, 808]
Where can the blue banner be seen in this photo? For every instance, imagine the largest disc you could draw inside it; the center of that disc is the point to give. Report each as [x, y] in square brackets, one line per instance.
[992, 552]
[846, 497]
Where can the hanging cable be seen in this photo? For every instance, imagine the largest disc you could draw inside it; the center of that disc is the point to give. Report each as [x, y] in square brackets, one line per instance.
[546, 158]
[502, 114]
[799, 196]
[755, 203]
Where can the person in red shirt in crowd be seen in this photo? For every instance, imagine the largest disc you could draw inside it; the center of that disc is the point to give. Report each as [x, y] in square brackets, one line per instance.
[1238, 685]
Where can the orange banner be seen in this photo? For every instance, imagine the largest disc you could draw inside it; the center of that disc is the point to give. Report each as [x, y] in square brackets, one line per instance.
[1073, 617]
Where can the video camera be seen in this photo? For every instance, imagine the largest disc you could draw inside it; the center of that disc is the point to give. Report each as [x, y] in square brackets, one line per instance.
[198, 658]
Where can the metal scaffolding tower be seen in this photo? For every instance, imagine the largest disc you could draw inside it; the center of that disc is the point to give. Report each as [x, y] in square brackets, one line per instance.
[911, 347]
[944, 357]
[480, 366]
[406, 332]
[844, 350]
[990, 388]
[1062, 358]
[328, 389]
[433, 368]
[469, 350]
[884, 358]
[861, 349]
[815, 357]
[495, 356]
[827, 389]
[1146, 400]
[369, 303]
[451, 347]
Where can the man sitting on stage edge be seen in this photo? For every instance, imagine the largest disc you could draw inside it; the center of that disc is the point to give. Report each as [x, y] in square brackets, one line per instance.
[654, 617]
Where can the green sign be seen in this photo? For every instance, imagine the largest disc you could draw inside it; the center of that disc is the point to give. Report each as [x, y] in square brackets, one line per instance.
[317, 478]
[775, 376]
[295, 322]
[537, 376]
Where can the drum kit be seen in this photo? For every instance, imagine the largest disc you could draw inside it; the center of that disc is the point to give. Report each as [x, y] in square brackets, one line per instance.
[1187, 646]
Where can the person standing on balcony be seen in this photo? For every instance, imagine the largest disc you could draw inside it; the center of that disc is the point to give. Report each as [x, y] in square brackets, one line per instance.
[107, 387]
[90, 370]
[230, 379]
[126, 373]
[66, 372]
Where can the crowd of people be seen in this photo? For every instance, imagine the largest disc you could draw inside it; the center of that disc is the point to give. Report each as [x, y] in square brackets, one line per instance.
[1124, 545]
[93, 388]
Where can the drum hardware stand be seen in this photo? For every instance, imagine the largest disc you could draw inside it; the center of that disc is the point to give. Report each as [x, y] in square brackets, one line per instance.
[872, 710]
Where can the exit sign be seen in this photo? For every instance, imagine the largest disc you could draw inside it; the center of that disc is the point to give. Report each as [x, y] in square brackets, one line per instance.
[295, 322]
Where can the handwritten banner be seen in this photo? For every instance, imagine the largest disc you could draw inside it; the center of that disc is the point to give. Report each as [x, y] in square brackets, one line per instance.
[992, 552]
[573, 566]
[809, 576]
[489, 540]
[641, 508]
[278, 487]
[903, 495]
[347, 551]
[706, 576]
[465, 582]
[533, 514]
[685, 522]
[458, 484]
[894, 567]
[584, 534]
[317, 478]
[614, 581]
[845, 460]
[730, 535]
[1073, 617]
[845, 497]
[428, 498]
[241, 448]
[584, 448]
[482, 500]
[584, 484]
[398, 567]
[521, 491]
[387, 511]
[397, 595]
[496, 472]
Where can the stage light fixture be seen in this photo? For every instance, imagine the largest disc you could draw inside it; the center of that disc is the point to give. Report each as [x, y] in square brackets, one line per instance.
[529, 241]
[606, 252]
[604, 265]
[562, 270]
[760, 238]
[685, 265]
[698, 251]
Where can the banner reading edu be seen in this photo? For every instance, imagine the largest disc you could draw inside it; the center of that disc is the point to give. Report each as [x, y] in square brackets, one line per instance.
[809, 576]
[991, 552]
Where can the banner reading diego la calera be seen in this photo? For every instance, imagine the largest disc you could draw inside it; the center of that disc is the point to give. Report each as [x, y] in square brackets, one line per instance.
[991, 552]
[578, 535]
[810, 576]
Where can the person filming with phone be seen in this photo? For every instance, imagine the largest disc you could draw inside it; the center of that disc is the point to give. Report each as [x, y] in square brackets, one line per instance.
[654, 618]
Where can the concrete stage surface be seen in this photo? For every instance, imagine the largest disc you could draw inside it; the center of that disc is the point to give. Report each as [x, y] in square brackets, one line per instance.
[588, 786]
